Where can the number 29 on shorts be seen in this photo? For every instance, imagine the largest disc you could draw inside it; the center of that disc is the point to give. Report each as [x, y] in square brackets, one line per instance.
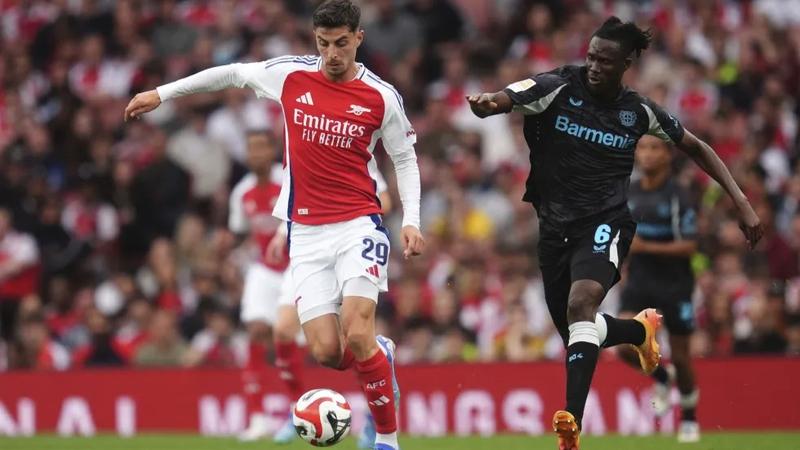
[375, 251]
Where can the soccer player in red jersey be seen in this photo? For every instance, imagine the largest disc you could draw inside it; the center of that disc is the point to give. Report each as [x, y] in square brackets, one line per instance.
[335, 111]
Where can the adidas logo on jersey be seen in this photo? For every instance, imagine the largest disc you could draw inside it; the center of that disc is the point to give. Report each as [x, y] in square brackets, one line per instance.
[358, 110]
[306, 99]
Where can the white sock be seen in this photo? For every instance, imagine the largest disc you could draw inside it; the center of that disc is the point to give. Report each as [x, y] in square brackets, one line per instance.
[583, 332]
[388, 439]
[602, 328]
[690, 400]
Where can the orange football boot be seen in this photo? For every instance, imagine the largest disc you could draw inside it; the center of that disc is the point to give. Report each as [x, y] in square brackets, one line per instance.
[566, 428]
[649, 355]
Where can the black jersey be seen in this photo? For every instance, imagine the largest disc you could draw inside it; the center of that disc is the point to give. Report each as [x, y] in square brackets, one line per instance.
[581, 147]
[664, 214]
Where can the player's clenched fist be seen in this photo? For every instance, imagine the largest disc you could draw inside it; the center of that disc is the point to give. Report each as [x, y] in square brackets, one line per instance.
[413, 242]
[482, 104]
[142, 103]
[750, 224]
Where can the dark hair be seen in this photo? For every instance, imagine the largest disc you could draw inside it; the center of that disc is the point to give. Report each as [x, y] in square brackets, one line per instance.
[629, 36]
[337, 13]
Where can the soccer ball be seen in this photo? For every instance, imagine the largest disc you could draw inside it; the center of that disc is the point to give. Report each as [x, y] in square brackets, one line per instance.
[322, 417]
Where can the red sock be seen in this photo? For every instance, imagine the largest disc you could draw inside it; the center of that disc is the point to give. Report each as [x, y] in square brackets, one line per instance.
[289, 360]
[348, 360]
[253, 377]
[375, 375]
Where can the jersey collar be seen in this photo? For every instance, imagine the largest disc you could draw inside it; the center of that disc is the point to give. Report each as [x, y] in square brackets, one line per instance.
[582, 81]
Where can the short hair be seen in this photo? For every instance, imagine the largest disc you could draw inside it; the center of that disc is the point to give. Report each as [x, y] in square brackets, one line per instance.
[629, 36]
[337, 13]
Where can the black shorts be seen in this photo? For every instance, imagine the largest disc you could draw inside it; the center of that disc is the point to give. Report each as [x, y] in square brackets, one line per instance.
[592, 249]
[675, 305]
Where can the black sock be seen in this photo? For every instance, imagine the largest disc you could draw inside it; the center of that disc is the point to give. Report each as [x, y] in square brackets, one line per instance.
[581, 361]
[689, 414]
[661, 375]
[623, 331]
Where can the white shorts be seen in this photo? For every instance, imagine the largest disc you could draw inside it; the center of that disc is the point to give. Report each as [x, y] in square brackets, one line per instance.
[264, 291]
[323, 258]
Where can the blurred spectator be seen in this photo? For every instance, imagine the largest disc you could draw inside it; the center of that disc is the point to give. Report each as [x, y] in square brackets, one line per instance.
[164, 346]
[766, 320]
[170, 37]
[95, 74]
[229, 124]
[36, 350]
[159, 195]
[441, 23]
[218, 344]
[103, 350]
[87, 216]
[134, 326]
[203, 158]
[61, 252]
[19, 271]
[394, 38]
[159, 278]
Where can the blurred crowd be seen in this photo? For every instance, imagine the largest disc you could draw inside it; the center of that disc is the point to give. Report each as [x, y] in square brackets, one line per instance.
[113, 241]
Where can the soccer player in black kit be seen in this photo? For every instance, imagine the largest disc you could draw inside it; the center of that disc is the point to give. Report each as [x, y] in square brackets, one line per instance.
[582, 125]
[659, 272]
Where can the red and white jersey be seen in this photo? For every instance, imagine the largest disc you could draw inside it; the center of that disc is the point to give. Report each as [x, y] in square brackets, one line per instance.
[331, 131]
[251, 206]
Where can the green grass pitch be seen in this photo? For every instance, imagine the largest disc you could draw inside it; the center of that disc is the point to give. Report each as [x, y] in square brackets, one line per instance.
[711, 441]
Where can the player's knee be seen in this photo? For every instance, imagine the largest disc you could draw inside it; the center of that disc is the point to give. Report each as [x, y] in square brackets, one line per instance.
[360, 341]
[329, 354]
[580, 308]
[583, 304]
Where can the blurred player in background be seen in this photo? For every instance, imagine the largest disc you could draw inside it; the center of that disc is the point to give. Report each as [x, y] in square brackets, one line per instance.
[265, 298]
[660, 274]
[335, 111]
[582, 125]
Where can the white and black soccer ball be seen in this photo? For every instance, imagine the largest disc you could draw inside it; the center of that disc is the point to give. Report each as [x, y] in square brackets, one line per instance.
[322, 417]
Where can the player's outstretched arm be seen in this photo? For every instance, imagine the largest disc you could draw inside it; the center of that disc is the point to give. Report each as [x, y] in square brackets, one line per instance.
[708, 160]
[489, 104]
[213, 79]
